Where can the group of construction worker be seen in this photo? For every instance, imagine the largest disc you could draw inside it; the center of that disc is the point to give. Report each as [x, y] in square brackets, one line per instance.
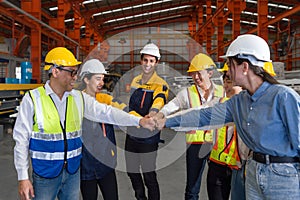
[247, 129]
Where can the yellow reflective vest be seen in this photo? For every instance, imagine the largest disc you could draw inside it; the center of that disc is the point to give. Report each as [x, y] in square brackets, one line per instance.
[225, 149]
[54, 146]
[200, 136]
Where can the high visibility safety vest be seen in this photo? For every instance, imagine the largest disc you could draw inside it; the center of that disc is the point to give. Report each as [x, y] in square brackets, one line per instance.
[225, 150]
[51, 146]
[200, 136]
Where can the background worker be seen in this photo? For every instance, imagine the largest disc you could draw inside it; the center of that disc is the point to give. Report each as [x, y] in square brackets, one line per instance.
[99, 153]
[149, 94]
[202, 92]
[48, 127]
[267, 117]
[225, 154]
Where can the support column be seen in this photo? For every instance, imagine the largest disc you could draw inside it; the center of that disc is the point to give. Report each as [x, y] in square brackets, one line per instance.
[200, 23]
[220, 22]
[262, 19]
[209, 29]
[59, 22]
[34, 8]
[236, 7]
[87, 39]
[78, 22]
[192, 25]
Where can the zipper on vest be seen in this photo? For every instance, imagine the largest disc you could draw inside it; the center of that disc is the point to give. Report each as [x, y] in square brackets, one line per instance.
[65, 147]
[63, 128]
[65, 137]
[143, 99]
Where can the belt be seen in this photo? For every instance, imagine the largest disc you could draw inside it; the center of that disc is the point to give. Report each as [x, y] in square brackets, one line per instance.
[266, 159]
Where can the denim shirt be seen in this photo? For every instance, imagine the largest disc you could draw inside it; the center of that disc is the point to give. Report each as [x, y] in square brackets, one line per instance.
[268, 121]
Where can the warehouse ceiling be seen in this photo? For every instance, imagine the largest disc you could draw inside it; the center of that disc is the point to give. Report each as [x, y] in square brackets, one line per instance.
[109, 17]
[112, 16]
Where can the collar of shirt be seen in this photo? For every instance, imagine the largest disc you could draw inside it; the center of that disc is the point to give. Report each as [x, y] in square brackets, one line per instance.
[211, 92]
[260, 91]
[151, 80]
[50, 92]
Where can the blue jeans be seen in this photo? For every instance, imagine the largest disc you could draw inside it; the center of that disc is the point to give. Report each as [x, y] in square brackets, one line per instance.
[272, 181]
[194, 165]
[64, 187]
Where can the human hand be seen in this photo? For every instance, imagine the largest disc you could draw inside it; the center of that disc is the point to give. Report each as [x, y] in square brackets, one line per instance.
[151, 114]
[160, 123]
[158, 116]
[25, 190]
[148, 122]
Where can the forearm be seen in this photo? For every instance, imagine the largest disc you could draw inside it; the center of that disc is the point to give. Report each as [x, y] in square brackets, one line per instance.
[98, 112]
[21, 135]
[180, 102]
[203, 119]
[169, 108]
[21, 161]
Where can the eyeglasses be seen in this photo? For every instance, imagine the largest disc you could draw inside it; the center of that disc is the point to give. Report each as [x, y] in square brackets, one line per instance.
[73, 72]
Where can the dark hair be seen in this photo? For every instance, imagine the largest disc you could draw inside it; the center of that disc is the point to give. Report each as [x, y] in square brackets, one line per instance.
[225, 75]
[82, 84]
[259, 71]
[142, 56]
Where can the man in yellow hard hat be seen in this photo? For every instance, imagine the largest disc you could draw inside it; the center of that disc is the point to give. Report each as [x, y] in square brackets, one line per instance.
[202, 93]
[48, 128]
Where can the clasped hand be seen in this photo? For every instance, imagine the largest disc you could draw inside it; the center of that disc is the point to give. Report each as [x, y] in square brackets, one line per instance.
[153, 121]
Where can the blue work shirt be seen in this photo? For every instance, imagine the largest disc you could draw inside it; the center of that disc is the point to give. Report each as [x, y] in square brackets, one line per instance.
[268, 121]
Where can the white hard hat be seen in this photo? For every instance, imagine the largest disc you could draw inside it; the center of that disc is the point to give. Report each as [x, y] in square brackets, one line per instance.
[151, 49]
[92, 66]
[251, 47]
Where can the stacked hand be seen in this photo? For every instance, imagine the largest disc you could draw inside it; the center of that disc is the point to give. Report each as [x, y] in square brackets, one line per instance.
[160, 120]
[148, 122]
[153, 121]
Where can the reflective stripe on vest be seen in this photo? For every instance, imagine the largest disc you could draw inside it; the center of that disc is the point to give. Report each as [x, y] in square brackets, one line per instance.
[222, 152]
[51, 146]
[200, 136]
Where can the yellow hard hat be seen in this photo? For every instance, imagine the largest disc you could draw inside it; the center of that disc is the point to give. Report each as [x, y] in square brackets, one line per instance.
[60, 56]
[268, 67]
[225, 68]
[201, 62]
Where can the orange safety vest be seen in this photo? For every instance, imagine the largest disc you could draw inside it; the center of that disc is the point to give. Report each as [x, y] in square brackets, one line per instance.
[200, 136]
[223, 152]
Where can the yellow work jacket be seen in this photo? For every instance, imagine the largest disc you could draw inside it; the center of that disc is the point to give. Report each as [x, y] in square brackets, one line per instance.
[144, 98]
[109, 100]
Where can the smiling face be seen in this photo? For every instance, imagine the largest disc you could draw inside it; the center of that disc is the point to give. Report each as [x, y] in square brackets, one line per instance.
[202, 78]
[65, 77]
[148, 63]
[94, 84]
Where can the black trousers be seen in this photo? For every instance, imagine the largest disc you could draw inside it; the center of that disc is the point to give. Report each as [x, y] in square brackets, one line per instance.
[196, 157]
[218, 181]
[107, 185]
[141, 157]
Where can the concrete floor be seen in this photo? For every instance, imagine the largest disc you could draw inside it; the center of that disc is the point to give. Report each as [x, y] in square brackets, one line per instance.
[170, 168]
